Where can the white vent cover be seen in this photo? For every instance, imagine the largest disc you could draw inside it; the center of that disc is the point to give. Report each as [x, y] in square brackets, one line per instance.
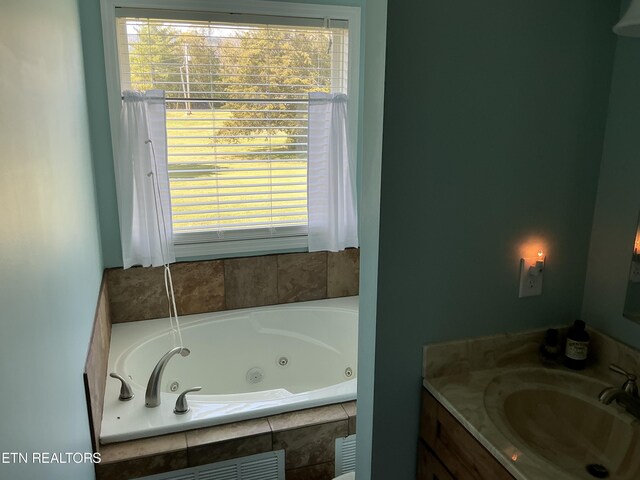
[345, 455]
[264, 466]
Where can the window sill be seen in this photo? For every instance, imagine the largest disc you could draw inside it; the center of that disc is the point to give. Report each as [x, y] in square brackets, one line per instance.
[240, 248]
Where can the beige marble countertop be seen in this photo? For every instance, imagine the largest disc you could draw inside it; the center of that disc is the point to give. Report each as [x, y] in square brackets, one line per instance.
[463, 376]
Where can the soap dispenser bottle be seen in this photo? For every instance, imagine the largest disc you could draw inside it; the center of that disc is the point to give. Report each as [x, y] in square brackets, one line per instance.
[577, 346]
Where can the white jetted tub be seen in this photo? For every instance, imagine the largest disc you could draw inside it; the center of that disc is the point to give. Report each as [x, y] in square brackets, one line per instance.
[250, 363]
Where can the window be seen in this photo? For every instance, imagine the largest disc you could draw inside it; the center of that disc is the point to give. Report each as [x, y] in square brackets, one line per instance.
[237, 88]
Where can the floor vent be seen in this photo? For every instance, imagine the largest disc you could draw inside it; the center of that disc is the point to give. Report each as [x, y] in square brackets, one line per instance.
[264, 466]
[345, 455]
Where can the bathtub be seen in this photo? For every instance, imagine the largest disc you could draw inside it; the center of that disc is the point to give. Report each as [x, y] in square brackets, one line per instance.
[250, 363]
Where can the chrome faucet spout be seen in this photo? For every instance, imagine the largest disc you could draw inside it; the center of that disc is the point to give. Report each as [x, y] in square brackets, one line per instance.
[152, 395]
[630, 403]
[609, 394]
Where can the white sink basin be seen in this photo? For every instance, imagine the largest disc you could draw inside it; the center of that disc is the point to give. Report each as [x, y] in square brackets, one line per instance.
[556, 415]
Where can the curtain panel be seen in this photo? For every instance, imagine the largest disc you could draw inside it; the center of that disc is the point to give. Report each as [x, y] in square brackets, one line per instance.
[142, 181]
[331, 175]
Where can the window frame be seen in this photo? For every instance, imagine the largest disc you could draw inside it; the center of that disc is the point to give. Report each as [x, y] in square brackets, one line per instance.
[203, 10]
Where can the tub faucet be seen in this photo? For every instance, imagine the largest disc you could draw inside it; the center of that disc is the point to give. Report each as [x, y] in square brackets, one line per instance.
[152, 396]
[126, 393]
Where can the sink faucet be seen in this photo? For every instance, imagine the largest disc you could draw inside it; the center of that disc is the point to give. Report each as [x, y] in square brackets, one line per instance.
[626, 396]
[152, 396]
[629, 403]
[630, 385]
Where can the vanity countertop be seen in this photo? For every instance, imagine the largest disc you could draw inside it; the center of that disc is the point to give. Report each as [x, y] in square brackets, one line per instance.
[468, 377]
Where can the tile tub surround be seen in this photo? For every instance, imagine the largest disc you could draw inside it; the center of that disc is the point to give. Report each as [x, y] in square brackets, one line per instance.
[214, 285]
[95, 369]
[307, 436]
[209, 286]
[457, 375]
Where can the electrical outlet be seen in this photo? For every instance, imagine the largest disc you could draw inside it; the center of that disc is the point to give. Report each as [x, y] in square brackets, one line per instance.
[530, 284]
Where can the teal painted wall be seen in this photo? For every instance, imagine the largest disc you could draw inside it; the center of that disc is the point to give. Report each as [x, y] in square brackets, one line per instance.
[494, 122]
[618, 201]
[374, 31]
[50, 267]
[100, 128]
[100, 131]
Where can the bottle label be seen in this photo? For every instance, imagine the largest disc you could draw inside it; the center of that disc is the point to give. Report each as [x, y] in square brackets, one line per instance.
[576, 350]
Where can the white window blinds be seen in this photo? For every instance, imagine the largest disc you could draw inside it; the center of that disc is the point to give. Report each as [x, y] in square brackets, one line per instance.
[237, 115]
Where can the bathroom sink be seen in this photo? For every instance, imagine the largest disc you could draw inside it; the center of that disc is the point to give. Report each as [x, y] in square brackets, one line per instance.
[556, 415]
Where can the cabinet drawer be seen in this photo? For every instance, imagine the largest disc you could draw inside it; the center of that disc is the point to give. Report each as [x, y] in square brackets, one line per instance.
[456, 448]
[429, 467]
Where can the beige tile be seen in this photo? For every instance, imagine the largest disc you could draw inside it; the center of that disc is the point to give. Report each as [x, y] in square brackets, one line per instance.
[310, 445]
[230, 431]
[445, 358]
[604, 350]
[144, 447]
[302, 277]
[251, 282]
[141, 467]
[199, 286]
[95, 371]
[137, 294]
[343, 273]
[308, 417]
[350, 410]
[322, 471]
[233, 448]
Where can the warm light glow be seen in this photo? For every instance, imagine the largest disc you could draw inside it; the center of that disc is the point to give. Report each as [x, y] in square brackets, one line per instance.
[534, 247]
[513, 453]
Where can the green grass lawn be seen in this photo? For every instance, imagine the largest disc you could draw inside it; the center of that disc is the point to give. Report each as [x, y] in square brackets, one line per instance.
[232, 189]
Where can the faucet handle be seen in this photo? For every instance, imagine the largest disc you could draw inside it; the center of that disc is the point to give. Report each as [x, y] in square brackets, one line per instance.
[630, 385]
[182, 406]
[622, 371]
[126, 393]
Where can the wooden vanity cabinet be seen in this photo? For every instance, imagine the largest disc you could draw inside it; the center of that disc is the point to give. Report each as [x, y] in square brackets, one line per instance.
[447, 451]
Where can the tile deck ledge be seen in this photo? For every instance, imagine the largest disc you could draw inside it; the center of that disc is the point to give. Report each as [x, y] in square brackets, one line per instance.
[147, 456]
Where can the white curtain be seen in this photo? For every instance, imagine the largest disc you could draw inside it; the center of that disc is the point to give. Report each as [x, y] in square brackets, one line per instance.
[331, 196]
[142, 181]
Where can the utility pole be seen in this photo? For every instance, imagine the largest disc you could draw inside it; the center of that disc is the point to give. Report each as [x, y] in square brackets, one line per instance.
[186, 74]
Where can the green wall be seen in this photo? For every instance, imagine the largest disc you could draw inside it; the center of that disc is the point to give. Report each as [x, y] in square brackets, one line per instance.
[50, 267]
[618, 200]
[374, 30]
[100, 131]
[494, 122]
